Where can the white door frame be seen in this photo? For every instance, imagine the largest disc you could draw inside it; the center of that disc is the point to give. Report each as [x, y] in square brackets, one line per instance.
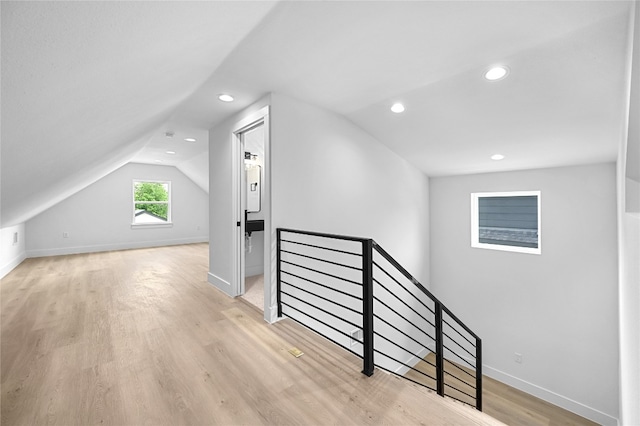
[259, 117]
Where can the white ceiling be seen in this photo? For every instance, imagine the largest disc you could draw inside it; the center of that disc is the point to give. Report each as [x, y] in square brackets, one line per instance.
[88, 86]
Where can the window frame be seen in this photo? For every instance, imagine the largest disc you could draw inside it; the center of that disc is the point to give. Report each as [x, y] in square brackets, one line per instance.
[475, 222]
[169, 222]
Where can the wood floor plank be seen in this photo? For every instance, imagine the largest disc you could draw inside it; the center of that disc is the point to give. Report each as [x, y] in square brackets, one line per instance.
[140, 337]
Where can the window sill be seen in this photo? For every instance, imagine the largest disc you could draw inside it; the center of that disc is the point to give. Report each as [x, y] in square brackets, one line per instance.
[151, 225]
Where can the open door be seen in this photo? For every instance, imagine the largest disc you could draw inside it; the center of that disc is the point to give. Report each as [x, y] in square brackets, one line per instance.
[252, 242]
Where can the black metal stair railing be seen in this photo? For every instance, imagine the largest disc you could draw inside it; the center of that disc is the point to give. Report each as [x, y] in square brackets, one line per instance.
[352, 292]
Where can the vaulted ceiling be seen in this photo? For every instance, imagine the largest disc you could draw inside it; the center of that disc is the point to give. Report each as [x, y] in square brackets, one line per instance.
[90, 86]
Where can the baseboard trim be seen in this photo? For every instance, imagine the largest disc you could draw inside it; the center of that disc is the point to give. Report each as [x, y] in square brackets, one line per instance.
[551, 397]
[12, 264]
[61, 251]
[222, 285]
[403, 369]
[253, 270]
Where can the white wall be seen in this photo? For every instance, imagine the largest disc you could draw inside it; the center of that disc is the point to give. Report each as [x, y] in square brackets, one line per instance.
[222, 222]
[11, 253]
[558, 309]
[328, 175]
[99, 217]
[629, 241]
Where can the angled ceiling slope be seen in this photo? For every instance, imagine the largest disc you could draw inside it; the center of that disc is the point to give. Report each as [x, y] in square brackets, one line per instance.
[84, 84]
[88, 86]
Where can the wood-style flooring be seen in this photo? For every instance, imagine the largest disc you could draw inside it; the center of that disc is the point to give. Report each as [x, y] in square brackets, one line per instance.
[499, 400]
[139, 337]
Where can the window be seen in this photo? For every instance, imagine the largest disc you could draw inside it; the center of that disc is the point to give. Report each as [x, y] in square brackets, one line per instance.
[151, 202]
[507, 221]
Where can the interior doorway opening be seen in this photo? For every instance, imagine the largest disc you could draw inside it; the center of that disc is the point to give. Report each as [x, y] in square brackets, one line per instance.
[253, 155]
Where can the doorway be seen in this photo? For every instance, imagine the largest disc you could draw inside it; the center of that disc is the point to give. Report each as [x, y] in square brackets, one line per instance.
[252, 244]
[253, 194]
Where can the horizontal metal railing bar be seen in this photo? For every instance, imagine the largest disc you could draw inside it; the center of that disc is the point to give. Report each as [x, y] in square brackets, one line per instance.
[333, 302]
[461, 335]
[406, 365]
[324, 235]
[406, 378]
[322, 260]
[397, 345]
[403, 287]
[459, 368]
[326, 337]
[323, 310]
[322, 247]
[403, 302]
[462, 347]
[461, 391]
[322, 285]
[459, 379]
[320, 272]
[411, 278]
[454, 353]
[415, 326]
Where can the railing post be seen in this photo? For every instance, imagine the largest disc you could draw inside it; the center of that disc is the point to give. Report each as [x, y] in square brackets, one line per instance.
[479, 374]
[367, 306]
[439, 351]
[278, 266]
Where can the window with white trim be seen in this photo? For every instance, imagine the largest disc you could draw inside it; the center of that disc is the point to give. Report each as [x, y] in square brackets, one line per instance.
[508, 221]
[151, 202]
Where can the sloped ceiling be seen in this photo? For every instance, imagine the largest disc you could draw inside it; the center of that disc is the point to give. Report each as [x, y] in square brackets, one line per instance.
[89, 86]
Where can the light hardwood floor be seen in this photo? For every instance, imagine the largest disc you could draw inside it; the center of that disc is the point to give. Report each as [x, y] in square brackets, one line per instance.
[500, 401]
[140, 338]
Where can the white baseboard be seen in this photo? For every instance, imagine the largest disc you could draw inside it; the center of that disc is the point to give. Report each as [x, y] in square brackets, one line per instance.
[12, 264]
[271, 315]
[253, 270]
[403, 369]
[112, 247]
[222, 285]
[551, 397]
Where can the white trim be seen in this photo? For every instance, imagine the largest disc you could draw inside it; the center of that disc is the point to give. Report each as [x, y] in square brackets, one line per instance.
[246, 123]
[551, 397]
[133, 198]
[253, 270]
[219, 283]
[151, 225]
[415, 359]
[116, 246]
[12, 264]
[475, 243]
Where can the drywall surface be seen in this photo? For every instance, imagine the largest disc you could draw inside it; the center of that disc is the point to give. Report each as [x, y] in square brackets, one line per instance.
[558, 309]
[12, 248]
[328, 175]
[99, 217]
[222, 222]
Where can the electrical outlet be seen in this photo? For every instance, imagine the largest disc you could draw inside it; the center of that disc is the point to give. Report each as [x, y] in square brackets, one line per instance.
[517, 358]
[65, 235]
[356, 336]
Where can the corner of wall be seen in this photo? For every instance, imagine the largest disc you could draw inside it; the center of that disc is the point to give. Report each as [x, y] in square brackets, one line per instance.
[12, 248]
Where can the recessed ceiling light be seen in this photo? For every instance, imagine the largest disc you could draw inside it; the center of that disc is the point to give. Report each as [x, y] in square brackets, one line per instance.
[397, 108]
[158, 161]
[225, 98]
[171, 152]
[189, 139]
[497, 157]
[496, 73]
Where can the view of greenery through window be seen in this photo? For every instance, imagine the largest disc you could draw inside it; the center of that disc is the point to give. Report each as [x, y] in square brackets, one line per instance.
[156, 195]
